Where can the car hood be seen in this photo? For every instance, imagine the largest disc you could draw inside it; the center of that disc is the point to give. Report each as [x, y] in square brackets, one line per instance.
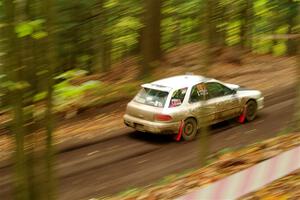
[244, 92]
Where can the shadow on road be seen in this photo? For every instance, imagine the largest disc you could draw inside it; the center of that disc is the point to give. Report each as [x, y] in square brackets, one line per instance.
[152, 138]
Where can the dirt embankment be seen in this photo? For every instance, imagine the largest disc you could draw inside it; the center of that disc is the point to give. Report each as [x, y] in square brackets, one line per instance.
[223, 166]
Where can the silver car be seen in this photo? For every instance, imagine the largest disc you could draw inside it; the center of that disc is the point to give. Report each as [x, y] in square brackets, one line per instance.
[185, 103]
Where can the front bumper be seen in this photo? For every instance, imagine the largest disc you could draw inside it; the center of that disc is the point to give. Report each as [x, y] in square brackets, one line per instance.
[152, 127]
[260, 103]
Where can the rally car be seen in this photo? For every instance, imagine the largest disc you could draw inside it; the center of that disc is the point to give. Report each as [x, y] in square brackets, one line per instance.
[187, 102]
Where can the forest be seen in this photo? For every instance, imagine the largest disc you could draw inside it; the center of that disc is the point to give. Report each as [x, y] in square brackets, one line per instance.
[45, 45]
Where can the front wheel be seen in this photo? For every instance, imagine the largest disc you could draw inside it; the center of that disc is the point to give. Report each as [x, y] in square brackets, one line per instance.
[251, 110]
[190, 129]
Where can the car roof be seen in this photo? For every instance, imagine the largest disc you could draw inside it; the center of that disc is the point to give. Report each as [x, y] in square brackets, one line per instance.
[176, 82]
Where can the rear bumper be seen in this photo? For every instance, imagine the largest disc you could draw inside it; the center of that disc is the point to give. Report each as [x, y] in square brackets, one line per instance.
[260, 103]
[152, 127]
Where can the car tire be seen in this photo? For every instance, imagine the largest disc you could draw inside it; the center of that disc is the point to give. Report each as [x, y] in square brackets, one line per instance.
[189, 129]
[251, 110]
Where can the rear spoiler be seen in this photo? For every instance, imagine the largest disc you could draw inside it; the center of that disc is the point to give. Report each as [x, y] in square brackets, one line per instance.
[157, 87]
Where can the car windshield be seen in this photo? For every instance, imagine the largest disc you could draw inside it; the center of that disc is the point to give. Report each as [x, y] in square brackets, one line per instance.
[152, 97]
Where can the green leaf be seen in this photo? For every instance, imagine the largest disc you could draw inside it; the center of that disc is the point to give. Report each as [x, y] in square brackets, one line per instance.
[37, 24]
[39, 35]
[2, 76]
[21, 85]
[84, 58]
[40, 96]
[16, 85]
[89, 85]
[23, 29]
[75, 73]
[111, 3]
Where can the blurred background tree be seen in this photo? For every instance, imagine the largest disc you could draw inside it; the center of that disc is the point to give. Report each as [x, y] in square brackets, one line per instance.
[296, 41]
[28, 63]
[95, 34]
[151, 35]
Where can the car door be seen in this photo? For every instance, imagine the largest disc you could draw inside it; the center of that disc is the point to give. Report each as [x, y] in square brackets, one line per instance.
[227, 103]
[203, 110]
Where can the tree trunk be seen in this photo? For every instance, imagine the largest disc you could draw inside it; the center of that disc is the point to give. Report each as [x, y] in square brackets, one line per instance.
[291, 21]
[177, 32]
[102, 41]
[13, 63]
[224, 17]
[151, 35]
[245, 29]
[296, 120]
[51, 61]
[275, 22]
[106, 58]
[212, 39]
[211, 45]
[297, 109]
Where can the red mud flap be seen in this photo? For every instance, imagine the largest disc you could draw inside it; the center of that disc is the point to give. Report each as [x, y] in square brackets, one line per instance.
[178, 136]
[242, 117]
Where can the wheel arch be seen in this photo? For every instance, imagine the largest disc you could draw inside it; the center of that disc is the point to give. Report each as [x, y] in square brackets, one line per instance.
[194, 118]
[252, 117]
[251, 99]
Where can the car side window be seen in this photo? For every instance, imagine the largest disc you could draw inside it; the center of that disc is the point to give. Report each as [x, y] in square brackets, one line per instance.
[197, 93]
[217, 90]
[178, 97]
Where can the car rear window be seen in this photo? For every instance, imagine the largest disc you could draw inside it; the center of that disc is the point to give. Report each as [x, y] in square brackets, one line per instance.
[152, 97]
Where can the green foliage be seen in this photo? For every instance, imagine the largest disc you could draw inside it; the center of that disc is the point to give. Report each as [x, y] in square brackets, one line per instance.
[129, 89]
[111, 3]
[2, 88]
[78, 29]
[124, 34]
[40, 96]
[233, 33]
[72, 74]
[81, 25]
[66, 94]
[181, 24]
[279, 49]
[129, 192]
[13, 86]
[31, 28]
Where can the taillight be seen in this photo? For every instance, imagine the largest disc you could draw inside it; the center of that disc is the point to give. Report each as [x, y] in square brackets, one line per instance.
[164, 118]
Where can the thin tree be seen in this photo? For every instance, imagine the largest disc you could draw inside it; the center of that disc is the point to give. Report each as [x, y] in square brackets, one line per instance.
[13, 65]
[296, 121]
[246, 23]
[211, 36]
[210, 39]
[151, 35]
[49, 11]
[292, 23]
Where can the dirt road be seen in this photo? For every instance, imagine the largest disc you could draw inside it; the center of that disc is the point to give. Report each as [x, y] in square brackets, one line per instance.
[134, 159]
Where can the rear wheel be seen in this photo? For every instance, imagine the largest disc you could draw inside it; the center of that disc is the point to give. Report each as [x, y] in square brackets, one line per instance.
[251, 110]
[190, 129]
